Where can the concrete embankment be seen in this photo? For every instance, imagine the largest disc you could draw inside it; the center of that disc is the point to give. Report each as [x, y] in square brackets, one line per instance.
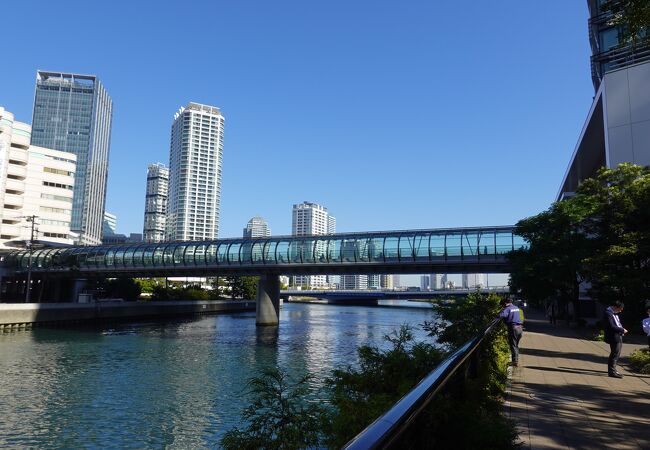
[26, 315]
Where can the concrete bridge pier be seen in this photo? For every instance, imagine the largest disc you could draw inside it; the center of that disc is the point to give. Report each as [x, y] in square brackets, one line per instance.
[268, 301]
[78, 285]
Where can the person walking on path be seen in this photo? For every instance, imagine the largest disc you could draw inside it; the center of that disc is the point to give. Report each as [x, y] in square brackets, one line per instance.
[513, 318]
[646, 323]
[614, 332]
[551, 312]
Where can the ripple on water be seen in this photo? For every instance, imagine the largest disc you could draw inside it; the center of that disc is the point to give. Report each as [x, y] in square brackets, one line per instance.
[169, 384]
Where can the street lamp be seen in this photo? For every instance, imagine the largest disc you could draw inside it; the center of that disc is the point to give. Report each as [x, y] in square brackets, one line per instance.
[30, 247]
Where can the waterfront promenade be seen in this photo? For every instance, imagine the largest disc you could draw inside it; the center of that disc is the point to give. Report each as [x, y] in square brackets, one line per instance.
[561, 396]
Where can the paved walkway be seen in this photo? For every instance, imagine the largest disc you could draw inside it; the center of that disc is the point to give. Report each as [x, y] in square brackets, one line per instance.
[561, 396]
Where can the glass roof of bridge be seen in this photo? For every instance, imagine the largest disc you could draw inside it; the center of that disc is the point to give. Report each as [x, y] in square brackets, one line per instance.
[399, 247]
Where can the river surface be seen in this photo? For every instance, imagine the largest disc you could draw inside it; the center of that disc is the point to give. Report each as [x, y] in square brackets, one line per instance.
[178, 384]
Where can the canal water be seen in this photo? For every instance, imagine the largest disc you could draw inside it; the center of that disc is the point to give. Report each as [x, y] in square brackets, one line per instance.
[168, 384]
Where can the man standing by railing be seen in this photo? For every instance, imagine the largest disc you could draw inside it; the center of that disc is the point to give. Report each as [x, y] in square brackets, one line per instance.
[514, 320]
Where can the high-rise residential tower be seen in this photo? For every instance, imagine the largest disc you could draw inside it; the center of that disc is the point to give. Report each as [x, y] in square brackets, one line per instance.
[311, 219]
[73, 113]
[195, 157]
[256, 228]
[155, 204]
[386, 281]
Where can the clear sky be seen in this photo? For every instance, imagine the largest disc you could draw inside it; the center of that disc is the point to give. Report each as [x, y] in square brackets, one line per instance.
[393, 115]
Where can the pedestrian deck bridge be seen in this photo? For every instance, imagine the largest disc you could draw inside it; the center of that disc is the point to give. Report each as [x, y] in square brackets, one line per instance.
[459, 250]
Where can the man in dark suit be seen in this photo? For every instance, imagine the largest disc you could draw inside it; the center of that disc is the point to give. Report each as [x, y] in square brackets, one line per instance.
[614, 332]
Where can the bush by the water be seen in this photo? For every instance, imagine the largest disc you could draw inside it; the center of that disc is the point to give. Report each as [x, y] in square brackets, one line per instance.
[468, 414]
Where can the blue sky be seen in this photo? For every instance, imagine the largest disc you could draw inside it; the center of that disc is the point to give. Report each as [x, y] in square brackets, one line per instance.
[395, 116]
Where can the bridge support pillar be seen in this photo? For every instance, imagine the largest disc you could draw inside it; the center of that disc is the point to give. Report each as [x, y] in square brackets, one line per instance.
[268, 301]
[78, 285]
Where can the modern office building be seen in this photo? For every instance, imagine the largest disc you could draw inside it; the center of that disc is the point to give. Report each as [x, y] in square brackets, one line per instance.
[617, 128]
[110, 224]
[73, 113]
[311, 219]
[155, 203]
[351, 282]
[425, 282]
[257, 227]
[195, 159]
[473, 280]
[36, 186]
[374, 281]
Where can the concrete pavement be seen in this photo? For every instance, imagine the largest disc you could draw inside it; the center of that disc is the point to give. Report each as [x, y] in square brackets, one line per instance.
[561, 397]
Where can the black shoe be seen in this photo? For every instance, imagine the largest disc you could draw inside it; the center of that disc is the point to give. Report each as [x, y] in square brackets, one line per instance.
[615, 375]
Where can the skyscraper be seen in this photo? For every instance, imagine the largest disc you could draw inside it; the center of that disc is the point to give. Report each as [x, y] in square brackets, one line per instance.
[257, 227]
[155, 205]
[617, 128]
[473, 280]
[195, 173]
[73, 113]
[110, 224]
[311, 219]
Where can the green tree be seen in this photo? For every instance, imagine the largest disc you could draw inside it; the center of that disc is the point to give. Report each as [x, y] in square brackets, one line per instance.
[360, 395]
[600, 235]
[278, 417]
[619, 265]
[553, 265]
[243, 287]
[632, 17]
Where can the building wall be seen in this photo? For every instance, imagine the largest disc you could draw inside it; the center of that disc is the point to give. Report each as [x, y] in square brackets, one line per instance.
[73, 113]
[353, 282]
[35, 181]
[386, 281]
[311, 219]
[155, 207]
[110, 224]
[195, 161]
[257, 227]
[626, 103]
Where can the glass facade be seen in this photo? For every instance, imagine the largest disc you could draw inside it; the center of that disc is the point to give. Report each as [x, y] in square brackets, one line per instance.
[73, 113]
[399, 248]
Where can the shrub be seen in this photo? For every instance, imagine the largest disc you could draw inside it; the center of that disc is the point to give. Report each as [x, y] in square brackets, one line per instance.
[640, 360]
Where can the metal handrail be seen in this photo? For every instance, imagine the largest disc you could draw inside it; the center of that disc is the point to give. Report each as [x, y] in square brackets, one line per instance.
[384, 431]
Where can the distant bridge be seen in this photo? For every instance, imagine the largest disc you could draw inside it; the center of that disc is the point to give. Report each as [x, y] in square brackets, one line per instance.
[389, 294]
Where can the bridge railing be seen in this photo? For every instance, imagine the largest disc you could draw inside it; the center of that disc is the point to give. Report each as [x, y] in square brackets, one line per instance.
[386, 431]
[397, 247]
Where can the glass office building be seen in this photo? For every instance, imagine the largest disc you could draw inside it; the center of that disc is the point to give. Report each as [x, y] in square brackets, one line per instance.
[73, 113]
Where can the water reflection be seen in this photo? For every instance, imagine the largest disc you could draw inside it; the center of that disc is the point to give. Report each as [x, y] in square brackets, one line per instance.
[175, 384]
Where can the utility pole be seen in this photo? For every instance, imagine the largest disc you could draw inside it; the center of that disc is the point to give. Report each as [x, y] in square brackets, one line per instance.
[30, 245]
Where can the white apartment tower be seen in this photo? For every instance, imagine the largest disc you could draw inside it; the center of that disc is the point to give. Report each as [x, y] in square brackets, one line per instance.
[311, 219]
[34, 182]
[155, 205]
[257, 227]
[195, 158]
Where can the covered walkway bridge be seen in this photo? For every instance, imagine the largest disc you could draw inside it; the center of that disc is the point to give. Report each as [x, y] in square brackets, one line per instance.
[455, 250]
